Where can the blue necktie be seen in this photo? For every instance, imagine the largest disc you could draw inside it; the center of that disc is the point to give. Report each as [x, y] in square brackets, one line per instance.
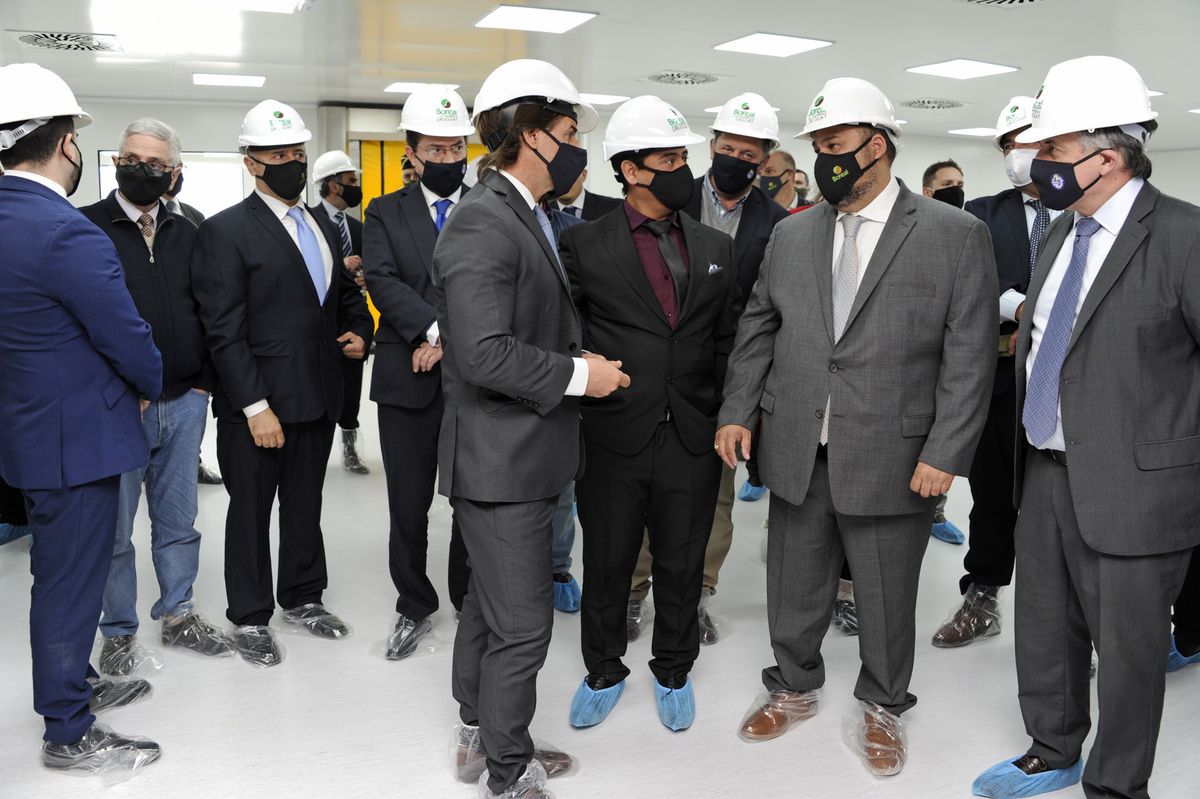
[344, 231]
[574, 211]
[544, 221]
[1041, 221]
[443, 208]
[310, 250]
[1041, 399]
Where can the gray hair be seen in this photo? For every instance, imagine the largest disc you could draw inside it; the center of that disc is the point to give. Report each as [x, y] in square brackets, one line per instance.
[1131, 148]
[159, 130]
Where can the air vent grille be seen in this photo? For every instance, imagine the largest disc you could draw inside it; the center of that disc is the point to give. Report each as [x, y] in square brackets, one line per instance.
[931, 104]
[678, 77]
[70, 42]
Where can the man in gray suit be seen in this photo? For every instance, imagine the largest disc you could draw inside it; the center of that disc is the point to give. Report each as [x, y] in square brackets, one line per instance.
[862, 359]
[513, 370]
[1108, 444]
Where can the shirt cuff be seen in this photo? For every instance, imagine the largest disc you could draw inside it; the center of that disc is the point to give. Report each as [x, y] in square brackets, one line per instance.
[432, 335]
[256, 408]
[1009, 302]
[578, 384]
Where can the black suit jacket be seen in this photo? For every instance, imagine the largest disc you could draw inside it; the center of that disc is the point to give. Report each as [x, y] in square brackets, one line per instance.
[597, 205]
[684, 367]
[268, 336]
[759, 216]
[398, 241]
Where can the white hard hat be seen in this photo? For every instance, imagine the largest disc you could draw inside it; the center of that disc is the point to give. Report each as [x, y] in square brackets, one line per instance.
[436, 110]
[849, 101]
[272, 124]
[1017, 114]
[1090, 93]
[748, 115]
[528, 77]
[334, 162]
[33, 94]
[646, 123]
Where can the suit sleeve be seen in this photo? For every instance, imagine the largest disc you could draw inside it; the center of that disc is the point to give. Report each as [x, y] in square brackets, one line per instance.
[352, 307]
[399, 304]
[478, 265]
[753, 348]
[97, 296]
[219, 282]
[728, 321]
[968, 358]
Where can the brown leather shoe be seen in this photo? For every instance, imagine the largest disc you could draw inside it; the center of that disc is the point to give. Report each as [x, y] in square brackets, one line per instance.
[470, 761]
[882, 742]
[775, 713]
[978, 617]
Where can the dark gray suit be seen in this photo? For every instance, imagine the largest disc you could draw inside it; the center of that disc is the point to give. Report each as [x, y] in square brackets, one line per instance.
[908, 381]
[510, 444]
[1103, 543]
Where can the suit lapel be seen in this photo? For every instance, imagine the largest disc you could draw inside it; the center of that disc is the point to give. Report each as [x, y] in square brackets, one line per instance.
[619, 240]
[822, 261]
[1014, 212]
[518, 205]
[266, 217]
[1056, 237]
[697, 264]
[899, 224]
[747, 227]
[420, 226]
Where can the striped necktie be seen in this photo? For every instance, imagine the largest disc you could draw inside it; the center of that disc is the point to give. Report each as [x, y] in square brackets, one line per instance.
[344, 232]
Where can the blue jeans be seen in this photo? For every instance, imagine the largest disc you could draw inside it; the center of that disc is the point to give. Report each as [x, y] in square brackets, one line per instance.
[564, 531]
[173, 429]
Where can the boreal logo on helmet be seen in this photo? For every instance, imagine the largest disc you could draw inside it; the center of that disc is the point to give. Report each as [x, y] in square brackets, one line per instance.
[677, 123]
[744, 114]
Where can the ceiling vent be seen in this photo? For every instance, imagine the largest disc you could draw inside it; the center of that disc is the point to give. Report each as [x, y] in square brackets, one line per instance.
[1008, 3]
[931, 104]
[73, 42]
[678, 77]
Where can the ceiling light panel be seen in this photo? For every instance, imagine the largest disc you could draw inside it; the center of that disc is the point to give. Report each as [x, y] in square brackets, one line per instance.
[403, 87]
[962, 69]
[772, 44]
[537, 20]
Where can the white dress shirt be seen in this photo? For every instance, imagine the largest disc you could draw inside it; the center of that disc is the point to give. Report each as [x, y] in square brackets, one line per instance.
[36, 178]
[576, 203]
[431, 333]
[1012, 299]
[579, 379]
[1111, 216]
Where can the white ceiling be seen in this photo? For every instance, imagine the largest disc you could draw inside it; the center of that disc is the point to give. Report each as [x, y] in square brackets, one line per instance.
[346, 51]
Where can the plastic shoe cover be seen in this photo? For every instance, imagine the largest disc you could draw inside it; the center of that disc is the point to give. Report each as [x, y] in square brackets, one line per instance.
[317, 619]
[567, 596]
[845, 616]
[102, 752]
[775, 712]
[122, 655]
[945, 530]
[709, 632]
[405, 636]
[750, 492]
[470, 761]
[194, 633]
[1176, 661]
[531, 785]
[1006, 781]
[107, 694]
[977, 617]
[257, 646]
[637, 618]
[878, 738]
[676, 706]
[590, 707]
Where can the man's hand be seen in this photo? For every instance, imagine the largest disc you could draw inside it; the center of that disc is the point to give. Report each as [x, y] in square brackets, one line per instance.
[266, 430]
[1012, 343]
[352, 263]
[930, 482]
[604, 377]
[143, 404]
[1019, 311]
[356, 349]
[425, 357]
[729, 438]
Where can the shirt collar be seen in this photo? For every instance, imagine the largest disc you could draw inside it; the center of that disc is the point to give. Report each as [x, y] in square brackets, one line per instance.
[524, 191]
[331, 209]
[431, 198]
[278, 207]
[132, 211]
[711, 192]
[577, 202]
[40, 179]
[879, 209]
[637, 218]
[1115, 211]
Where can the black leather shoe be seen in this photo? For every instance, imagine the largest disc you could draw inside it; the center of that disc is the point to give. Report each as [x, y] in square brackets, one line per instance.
[194, 633]
[708, 627]
[633, 620]
[406, 634]
[98, 749]
[317, 620]
[256, 644]
[118, 655]
[350, 460]
[207, 476]
[845, 616]
[107, 694]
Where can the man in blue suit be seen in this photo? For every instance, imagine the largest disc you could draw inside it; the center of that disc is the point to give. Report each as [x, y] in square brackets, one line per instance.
[76, 357]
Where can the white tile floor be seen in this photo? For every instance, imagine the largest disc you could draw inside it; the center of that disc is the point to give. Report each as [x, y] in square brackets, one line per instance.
[335, 719]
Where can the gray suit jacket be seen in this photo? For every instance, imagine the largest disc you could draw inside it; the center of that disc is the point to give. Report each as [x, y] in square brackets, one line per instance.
[911, 377]
[509, 330]
[1130, 384]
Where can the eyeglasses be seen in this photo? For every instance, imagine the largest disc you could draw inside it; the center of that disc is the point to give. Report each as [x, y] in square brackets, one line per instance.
[156, 169]
[438, 151]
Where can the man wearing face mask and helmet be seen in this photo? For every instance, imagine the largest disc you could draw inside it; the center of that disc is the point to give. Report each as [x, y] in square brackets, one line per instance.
[271, 297]
[858, 431]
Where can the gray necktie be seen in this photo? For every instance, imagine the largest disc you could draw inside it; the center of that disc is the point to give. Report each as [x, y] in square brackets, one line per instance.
[661, 228]
[845, 275]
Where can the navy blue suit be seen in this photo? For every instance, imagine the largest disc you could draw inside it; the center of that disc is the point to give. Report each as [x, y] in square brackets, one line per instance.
[75, 355]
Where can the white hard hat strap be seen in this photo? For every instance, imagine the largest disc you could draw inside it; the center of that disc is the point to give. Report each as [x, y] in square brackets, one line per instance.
[10, 137]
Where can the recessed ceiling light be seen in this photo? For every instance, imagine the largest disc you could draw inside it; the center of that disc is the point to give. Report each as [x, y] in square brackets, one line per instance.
[400, 87]
[539, 20]
[265, 6]
[974, 132]
[209, 79]
[772, 44]
[1194, 111]
[603, 99]
[1153, 93]
[962, 69]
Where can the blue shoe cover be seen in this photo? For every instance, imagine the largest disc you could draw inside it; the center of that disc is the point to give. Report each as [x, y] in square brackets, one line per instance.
[751, 493]
[589, 707]
[676, 707]
[1176, 661]
[567, 596]
[947, 531]
[1006, 781]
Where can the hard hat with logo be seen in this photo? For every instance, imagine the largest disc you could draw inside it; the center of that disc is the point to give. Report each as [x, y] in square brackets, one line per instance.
[1017, 114]
[32, 94]
[849, 101]
[272, 124]
[436, 110]
[334, 162]
[1090, 93]
[748, 115]
[646, 123]
[535, 82]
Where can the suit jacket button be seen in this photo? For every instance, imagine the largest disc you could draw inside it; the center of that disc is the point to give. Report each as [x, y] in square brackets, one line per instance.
[571, 347]
[833, 367]
[820, 413]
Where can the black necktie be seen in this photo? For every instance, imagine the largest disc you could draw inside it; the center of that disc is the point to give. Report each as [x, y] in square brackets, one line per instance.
[661, 228]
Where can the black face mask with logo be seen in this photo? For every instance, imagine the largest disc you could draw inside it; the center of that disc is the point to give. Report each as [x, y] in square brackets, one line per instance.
[837, 174]
[951, 195]
[771, 184]
[285, 180]
[732, 175]
[1056, 183]
[141, 187]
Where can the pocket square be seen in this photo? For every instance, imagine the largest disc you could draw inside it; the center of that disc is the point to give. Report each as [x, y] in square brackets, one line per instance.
[715, 269]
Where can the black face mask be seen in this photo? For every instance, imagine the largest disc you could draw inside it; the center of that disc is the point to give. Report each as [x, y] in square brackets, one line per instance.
[802, 194]
[951, 195]
[732, 175]
[771, 184]
[1056, 183]
[178, 185]
[565, 167]
[837, 174]
[286, 180]
[139, 186]
[351, 195]
[443, 179]
[672, 188]
[78, 170]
